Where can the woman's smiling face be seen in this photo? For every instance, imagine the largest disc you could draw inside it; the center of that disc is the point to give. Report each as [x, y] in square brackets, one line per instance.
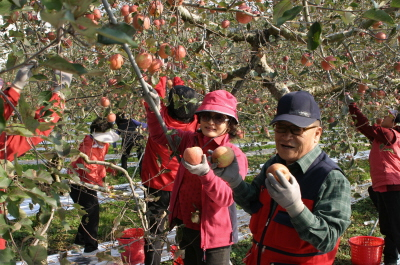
[213, 124]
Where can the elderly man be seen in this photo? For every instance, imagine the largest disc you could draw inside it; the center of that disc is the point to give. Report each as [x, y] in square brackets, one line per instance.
[300, 220]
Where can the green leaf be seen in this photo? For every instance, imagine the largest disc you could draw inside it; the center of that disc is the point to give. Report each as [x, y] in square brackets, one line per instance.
[347, 17]
[2, 119]
[52, 4]
[4, 180]
[13, 208]
[395, 3]
[117, 34]
[56, 19]
[63, 149]
[35, 254]
[96, 72]
[7, 256]
[40, 197]
[289, 15]
[16, 34]
[59, 63]
[280, 9]
[27, 114]
[379, 15]
[314, 36]
[39, 77]
[5, 7]
[44, 96]
[18, 129]
[11, 60]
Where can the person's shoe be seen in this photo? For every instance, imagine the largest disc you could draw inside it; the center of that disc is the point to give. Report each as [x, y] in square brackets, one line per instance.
[91, 254]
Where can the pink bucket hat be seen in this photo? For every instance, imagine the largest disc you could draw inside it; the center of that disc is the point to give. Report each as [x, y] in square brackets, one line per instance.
[220, 101]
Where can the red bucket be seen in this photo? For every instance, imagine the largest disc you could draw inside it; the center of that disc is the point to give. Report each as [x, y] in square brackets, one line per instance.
[366, 250]
[177, 260]
[134, 249]
[2, 241]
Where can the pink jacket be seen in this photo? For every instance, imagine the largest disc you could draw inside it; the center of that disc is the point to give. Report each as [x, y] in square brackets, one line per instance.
[216, 196]
[385, 163]
[384, 156]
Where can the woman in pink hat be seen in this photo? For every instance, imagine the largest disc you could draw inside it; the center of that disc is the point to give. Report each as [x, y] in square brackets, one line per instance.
[201, 201]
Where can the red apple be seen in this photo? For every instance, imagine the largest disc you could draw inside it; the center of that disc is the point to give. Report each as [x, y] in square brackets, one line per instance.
[105, 102]
[111, 117]
[380, 37]
[225, 23]
[362, 88]
[307, 59]
[397, 67]
[326, 65]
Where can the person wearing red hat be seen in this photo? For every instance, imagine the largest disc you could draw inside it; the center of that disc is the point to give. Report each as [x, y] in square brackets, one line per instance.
[12, 146]
[384, 159]
[298, 220]
[201, 201]
[159, 163]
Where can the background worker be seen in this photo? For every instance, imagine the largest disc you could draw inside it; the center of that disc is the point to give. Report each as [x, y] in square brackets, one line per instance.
[300, 220]
[128, 129]
[12, 146]
[159, 165]
[95, 146]
[384, 160]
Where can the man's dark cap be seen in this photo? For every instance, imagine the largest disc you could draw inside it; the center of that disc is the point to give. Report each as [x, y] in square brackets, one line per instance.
[298, 108]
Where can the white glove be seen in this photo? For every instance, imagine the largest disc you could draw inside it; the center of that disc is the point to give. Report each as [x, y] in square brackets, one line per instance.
[61, 80]
[23, 75]
[200, 169]
[348, 99]
[156, 98]
[286, 193]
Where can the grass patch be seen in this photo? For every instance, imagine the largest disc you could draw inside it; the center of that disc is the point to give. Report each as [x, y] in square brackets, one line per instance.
[112, 214]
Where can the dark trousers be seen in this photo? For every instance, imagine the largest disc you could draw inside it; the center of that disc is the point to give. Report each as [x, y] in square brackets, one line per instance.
[130, 140]
[87, 231]
[153, 248]
[389, 222]
[194, 254]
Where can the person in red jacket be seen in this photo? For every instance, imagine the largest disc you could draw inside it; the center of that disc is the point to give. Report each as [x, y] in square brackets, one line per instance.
[200, 200]
[95, 146]
[12, 146]
[17, 145]
[384, 159]
[159, 166]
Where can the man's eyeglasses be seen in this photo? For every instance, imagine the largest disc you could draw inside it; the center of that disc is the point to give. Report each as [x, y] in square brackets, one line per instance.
[295, 130]
[218, 118]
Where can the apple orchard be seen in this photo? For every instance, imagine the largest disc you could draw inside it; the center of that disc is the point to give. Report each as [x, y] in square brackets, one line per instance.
[258, 50]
